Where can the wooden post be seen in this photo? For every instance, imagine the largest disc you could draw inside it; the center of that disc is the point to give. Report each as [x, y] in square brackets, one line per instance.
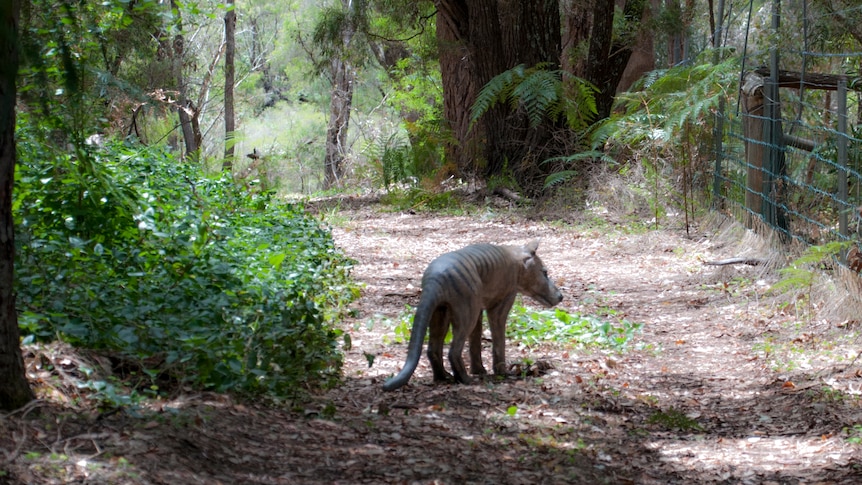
[752, 129]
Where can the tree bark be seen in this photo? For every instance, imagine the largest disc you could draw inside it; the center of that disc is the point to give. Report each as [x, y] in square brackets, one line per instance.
[339, 120]
[479, 40]
[185, 109]
[459, 87]
[642, 59]
[609, 52]
[577, 22]
[340, 102]
[229, 73]
[14, 389]
[489, 59]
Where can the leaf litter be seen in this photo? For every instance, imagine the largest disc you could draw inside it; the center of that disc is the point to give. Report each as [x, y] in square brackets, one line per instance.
[720, 389]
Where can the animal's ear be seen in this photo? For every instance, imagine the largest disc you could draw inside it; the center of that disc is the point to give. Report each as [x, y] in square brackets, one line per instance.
[529, 252]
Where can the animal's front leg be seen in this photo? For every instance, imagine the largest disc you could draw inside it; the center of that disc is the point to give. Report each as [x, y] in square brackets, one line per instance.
[497, 321]
[476, 366]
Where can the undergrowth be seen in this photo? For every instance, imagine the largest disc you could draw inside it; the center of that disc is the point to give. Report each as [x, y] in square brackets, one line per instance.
[534, 327]
[130, 251]
[420, 200]
[556, 325]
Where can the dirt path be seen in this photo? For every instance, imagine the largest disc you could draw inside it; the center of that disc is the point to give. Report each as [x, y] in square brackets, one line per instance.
[700, 404]
[721, 390]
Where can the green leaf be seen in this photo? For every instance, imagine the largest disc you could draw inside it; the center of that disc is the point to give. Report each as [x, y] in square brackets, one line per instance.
[276, 259]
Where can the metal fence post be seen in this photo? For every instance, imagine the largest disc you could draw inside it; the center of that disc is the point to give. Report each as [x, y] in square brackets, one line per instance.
[841, 143]
[718, 131]
[774, 179]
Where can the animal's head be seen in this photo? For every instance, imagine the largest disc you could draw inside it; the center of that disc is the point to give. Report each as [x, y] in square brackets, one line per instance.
[534, 281]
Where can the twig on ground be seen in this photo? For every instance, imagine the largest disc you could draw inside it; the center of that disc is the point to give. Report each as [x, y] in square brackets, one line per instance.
[510, 195]
[748, 261]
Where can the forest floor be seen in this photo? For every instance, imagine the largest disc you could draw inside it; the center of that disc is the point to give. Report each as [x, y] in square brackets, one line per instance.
[723, 384]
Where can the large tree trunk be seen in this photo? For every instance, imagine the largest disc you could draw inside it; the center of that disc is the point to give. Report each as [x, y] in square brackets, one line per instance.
[577, 21]
[478, 40]
[609, 51]
[14, 389]
[459, 87]
[642, 59]
[489, 59]
[229, 70]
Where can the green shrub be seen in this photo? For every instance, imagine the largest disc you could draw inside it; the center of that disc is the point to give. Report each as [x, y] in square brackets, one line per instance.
[131, 250]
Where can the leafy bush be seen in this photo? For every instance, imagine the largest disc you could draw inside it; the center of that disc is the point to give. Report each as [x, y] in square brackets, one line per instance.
[130, 250]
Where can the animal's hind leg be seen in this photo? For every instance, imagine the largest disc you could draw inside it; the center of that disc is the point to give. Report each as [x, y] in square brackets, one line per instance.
[462, 328]
[476, 366]
[438, 327]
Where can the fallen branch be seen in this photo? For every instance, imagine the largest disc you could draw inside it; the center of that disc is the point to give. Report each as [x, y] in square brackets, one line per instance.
[748, 261]
[510, 195]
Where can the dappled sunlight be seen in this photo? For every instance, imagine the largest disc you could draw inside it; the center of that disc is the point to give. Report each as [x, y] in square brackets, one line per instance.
[751, 456]
[693, 396]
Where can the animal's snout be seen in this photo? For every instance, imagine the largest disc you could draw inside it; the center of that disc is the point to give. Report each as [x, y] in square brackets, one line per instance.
[558, 296]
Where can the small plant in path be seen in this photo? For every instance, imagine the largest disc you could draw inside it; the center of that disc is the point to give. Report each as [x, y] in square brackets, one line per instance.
[533, 327]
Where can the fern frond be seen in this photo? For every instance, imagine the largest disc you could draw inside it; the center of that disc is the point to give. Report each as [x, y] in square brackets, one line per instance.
[497, 90]
[537, 93]
[560, 177]
[581, 107]
[601, 131]
[577, 157]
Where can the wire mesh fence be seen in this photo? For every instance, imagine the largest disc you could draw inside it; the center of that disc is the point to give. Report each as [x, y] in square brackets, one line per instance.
[790, 155]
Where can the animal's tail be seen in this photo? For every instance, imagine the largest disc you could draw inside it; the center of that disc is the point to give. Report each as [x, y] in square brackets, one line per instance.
[414, 348]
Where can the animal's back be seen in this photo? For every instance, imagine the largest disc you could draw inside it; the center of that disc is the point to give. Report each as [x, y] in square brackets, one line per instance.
[465, 271]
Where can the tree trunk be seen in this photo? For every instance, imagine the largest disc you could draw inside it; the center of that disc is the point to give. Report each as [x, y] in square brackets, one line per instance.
[14, 389]
[577, 22]
[459, 87]
[609, 51]
[340, 103]
[339, 121]
[489, 59]
[229, 71]
[185, 109]
[478, 40]
[642, 59]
